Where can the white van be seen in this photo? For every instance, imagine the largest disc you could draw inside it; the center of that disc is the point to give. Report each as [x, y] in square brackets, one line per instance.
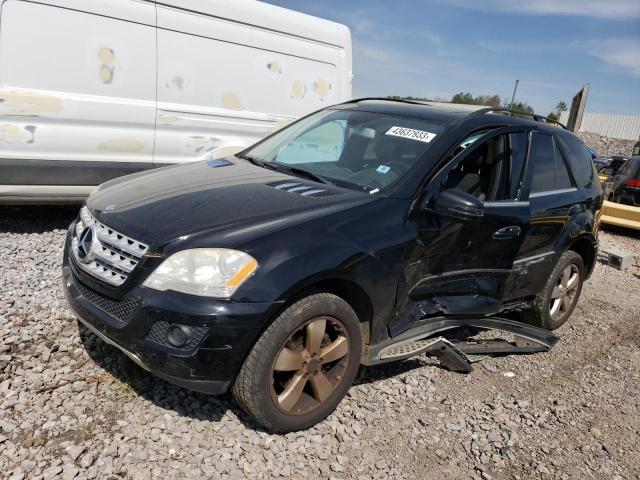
[94, 89]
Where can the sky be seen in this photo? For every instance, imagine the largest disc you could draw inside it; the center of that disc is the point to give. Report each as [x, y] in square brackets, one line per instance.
[436, 48]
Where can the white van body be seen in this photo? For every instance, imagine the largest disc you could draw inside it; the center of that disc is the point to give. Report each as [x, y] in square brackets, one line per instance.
[95, 89]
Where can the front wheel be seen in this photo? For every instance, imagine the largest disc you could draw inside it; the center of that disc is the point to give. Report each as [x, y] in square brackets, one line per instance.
[553, 306]
[302, 366]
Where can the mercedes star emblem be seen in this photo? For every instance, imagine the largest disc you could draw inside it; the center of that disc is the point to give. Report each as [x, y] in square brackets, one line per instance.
[85, 243]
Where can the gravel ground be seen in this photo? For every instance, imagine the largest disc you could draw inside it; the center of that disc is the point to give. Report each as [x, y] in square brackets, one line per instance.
[569, 413]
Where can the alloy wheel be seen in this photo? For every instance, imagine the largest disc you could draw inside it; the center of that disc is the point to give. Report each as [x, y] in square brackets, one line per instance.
[564, 295]
[310, 366]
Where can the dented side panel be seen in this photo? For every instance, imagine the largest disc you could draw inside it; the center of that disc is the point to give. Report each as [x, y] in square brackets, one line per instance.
[225, 83]
[76, 86]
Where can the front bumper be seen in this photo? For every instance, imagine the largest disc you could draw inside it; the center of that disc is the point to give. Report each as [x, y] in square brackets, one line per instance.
[226, 330]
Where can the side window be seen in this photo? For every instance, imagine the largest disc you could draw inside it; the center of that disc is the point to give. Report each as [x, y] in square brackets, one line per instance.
[321, 144]
[624, 169]
[579, 158]
[563, 180]
[544, 163]
[493, 170]
[549, 167]
[636, 164]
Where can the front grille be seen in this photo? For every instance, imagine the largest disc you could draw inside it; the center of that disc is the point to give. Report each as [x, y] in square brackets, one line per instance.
[111, 256]
[158, 334]
[121, 310]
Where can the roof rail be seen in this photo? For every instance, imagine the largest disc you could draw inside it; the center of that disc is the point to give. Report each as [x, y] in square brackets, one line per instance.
[535, 116]
[388, 99]
[475, 113]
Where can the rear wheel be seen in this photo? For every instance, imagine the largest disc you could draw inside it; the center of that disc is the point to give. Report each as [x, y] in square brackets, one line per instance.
[553, 306]
[302, 366]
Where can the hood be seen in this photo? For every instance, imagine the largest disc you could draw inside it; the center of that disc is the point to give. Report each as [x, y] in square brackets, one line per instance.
[228, 201]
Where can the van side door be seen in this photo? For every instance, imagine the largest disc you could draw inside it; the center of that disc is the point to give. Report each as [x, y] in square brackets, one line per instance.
[463, 258]
[77, 93]
[225, 82]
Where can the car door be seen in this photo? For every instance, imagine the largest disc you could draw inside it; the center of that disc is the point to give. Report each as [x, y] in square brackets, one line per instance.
[77, 92]
[555, 202]
[462, 265]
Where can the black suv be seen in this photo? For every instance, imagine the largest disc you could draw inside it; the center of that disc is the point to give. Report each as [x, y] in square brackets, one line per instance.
[357, 235]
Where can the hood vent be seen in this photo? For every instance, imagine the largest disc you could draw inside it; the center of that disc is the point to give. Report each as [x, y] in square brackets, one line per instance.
[300, 189]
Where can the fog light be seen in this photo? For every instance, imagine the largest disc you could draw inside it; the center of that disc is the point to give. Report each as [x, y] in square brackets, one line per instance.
[178, 335]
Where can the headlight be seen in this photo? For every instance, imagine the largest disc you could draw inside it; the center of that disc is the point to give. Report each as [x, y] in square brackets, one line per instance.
[208, 272]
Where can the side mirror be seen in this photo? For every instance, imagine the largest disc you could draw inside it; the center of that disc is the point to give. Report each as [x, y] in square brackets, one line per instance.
[454, 203]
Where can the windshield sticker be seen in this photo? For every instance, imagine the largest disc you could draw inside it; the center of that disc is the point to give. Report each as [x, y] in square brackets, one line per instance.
[383, 169]
[220, 162]
[411, 134]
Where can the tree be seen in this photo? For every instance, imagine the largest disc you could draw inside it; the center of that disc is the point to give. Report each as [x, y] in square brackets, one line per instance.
[462, 98]
[412, 99]
[561, 107]
[553, 116]
[467, 98]
[520, 107]
[493, 101]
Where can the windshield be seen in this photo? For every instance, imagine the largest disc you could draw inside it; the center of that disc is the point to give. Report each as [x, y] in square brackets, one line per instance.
[359, 150]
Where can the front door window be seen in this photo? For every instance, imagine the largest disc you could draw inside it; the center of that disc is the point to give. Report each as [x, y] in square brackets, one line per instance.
[493, 171]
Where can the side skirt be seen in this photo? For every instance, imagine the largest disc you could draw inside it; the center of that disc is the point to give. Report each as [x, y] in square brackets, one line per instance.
[453, 355]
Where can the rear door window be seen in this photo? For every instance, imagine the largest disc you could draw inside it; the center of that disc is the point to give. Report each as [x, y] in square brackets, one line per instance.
[549, 166]
[563, 180]
[544, 164]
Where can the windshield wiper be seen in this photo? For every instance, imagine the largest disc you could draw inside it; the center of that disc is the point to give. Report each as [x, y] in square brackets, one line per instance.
[307, 174]
[296, 171]
[256, 161]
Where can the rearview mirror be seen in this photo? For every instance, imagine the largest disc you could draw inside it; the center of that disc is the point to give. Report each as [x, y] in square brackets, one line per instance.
[454, 203]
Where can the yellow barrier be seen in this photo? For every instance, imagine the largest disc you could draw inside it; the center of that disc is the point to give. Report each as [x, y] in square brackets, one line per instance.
[621, 215]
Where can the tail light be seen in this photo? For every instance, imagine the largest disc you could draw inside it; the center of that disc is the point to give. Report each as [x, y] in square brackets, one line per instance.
[634, 182]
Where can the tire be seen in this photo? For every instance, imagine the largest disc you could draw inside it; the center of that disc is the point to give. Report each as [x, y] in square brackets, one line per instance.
[540, 313]
[288, 354]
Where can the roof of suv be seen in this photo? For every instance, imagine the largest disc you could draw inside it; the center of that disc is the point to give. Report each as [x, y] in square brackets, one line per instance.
[447, 114]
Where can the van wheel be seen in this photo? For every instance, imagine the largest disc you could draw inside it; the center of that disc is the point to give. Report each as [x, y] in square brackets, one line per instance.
[302, 366]
[553, 306]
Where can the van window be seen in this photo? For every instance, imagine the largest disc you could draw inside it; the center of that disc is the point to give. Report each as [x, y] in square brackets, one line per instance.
[493, 171]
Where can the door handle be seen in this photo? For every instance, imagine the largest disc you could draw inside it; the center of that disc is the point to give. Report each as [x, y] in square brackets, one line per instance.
[507, 233]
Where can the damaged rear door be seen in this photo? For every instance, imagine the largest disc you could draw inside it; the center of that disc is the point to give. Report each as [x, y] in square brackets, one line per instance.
[469, 227]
